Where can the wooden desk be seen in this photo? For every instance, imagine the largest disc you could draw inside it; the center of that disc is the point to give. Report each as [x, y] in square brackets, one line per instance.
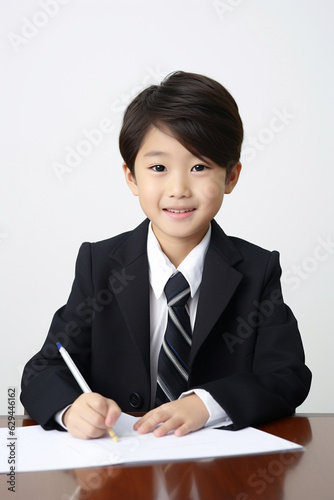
[308, 475]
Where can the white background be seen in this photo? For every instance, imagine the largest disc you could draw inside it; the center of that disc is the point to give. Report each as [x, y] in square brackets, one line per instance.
[72, 64]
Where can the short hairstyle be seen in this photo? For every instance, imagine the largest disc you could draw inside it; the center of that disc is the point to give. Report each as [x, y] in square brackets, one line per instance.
[199, 112]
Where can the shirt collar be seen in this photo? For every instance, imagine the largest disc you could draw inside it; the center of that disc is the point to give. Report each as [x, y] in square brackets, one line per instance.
[161, 268]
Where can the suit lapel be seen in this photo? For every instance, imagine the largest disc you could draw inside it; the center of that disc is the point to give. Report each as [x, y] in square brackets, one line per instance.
[219, 283]
[130, 272]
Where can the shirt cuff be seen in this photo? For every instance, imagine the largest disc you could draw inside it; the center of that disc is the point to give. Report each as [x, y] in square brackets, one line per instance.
[218, 416]
[59, 417]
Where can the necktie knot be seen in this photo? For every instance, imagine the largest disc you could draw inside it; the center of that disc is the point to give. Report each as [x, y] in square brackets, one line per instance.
[177, 290]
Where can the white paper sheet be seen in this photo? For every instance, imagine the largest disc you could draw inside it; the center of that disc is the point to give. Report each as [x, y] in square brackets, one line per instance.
[40, 450]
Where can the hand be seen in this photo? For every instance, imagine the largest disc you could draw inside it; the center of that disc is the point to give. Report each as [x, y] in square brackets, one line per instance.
[181, 416]
[91, 415]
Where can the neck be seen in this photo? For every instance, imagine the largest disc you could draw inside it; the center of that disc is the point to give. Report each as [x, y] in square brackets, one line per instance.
[176, 253]
[176, 248]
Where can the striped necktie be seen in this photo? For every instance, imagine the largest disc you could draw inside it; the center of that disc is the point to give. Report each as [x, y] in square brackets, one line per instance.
[173, 363]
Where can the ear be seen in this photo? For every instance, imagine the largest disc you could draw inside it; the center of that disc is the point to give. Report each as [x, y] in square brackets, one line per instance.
[233, 178]
[130, 179]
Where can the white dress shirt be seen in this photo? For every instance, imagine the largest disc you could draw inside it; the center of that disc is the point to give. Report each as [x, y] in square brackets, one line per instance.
[160, 270]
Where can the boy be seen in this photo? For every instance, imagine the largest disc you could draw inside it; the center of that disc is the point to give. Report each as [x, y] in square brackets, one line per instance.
[232, 354]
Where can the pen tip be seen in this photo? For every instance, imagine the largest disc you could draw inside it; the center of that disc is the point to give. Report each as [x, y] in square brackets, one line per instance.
[59, 345]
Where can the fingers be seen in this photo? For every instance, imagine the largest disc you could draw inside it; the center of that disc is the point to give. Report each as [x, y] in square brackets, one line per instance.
[182, 416]
[90, 415]
[162, 422]
[152, 419]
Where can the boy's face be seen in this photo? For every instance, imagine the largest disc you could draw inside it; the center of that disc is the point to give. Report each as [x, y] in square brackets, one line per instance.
[177, 191]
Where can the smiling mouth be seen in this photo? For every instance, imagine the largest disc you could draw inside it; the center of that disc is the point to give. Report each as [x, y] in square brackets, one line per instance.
[175, 211]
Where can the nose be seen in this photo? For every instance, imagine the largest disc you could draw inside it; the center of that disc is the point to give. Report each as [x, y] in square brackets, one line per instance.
[178, 186]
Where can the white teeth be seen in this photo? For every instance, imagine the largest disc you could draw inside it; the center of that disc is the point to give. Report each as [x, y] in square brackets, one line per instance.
[179, 211]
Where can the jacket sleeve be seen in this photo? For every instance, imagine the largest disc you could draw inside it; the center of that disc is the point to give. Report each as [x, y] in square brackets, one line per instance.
[278, 380]
[47, 384]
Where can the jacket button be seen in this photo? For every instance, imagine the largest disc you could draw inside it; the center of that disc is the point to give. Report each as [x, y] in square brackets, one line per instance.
[135, 400]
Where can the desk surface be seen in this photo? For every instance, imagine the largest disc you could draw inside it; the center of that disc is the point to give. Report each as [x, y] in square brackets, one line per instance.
[290, 476]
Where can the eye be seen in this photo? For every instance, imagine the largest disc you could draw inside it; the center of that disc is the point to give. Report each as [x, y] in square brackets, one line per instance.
[158, 168]
[199, 168]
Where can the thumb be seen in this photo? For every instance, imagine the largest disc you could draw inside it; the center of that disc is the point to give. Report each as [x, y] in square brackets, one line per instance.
[113, 413]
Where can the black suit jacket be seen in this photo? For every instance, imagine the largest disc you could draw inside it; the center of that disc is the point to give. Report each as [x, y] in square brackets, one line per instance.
[246, 348]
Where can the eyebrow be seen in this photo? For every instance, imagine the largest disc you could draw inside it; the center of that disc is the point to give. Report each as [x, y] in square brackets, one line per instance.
[164, 153]
[156, 153]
